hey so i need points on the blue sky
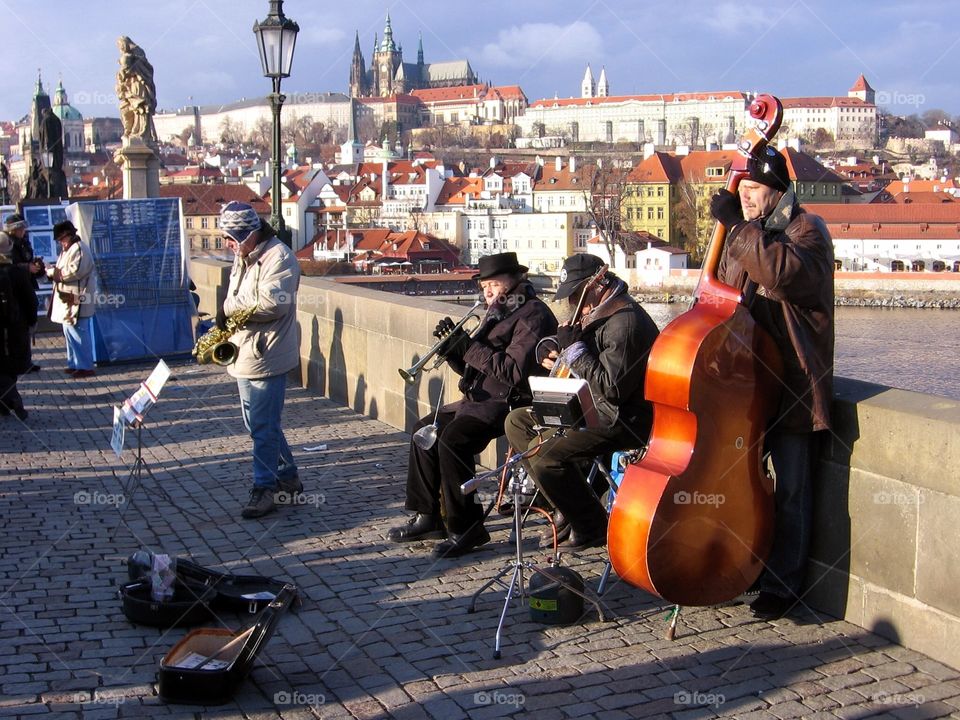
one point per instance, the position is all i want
(204, 52)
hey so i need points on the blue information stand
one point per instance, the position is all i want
(144, 307)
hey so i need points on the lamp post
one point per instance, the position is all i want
(276, 39)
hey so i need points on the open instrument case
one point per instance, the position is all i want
(198, 594)
(206, 666)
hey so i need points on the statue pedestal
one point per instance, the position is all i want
(141, 170)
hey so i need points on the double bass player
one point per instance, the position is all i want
(782, 257)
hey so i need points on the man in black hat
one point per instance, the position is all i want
(607, 345)
(72, 303)
(781, 258)
(494, 364)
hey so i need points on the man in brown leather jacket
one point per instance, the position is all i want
(781, 258)
(494, 364)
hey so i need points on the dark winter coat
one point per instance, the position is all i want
(502, 355)
(788, 258)
(618, 336)
(18, 311)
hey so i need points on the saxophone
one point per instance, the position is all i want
(215, 346)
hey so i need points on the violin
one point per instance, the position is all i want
(692, 521)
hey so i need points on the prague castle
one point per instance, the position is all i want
(389, 75)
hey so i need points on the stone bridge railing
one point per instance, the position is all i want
(887, 518)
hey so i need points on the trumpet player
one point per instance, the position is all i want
(494, 363)
(265, 276)
(606, 342)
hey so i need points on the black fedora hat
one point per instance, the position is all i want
(500, 264)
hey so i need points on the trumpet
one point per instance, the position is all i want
(410, 374)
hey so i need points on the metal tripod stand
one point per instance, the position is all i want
(519, 486)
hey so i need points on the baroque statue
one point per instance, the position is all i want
(136, 92)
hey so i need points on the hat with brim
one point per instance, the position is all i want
(500, 264)
(577, 269)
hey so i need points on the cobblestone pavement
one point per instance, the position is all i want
(383, 630)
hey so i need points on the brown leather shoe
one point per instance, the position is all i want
(84, 373)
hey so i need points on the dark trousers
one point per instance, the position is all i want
(434, 476)
(794, 457)
(9, 395)
(561, 466)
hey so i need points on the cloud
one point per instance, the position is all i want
(548, 43)
(737, 17)
(320, 35)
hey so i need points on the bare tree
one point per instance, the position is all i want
(230, 132)
(261, 135)
(604, 189)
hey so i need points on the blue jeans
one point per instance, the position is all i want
(794, 457)
(79, 344)
(261, 404)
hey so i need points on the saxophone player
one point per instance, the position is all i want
(606, 344)
(265, 276)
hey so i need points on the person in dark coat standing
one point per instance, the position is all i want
(18, 313)
(607, 345)
(494, 364)
(781, 258)
(15, 229)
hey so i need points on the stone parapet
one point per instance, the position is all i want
(887, 501)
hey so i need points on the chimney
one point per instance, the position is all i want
(384, 194)
(559, 163)
(573, 164)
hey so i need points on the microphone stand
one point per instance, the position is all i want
(516, 587)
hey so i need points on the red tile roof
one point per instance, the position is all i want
(660, 167)
(861, 85)
(888, 213)
(459, 92)
(455, 190)
(901, 186)
(209, 199)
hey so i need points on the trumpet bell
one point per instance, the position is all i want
(409, 376)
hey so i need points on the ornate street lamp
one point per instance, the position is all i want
(276, 39)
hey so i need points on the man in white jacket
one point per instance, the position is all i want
(265, 276)
(73, 301)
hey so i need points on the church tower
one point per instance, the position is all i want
(358, 71)
(587, 88)
(386, 60)
(603, 87)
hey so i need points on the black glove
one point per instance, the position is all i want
(221, 318)
(567, 335)
(454, 343)
(725, 207)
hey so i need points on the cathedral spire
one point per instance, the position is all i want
(603, 87)
(587, 88)
(387, 44)
(420, 49)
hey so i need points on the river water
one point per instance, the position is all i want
(900, 347)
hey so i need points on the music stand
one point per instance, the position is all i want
(516, 587)
(131, 413)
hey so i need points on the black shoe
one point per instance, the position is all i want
(768, 606)
(420, 527)
(21, 413)
(459, 545)
(563, 528)
(33, 368)
(4, 411)
(259, 504)
(595, 536)
(292, 486)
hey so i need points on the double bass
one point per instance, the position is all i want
(692, 521)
